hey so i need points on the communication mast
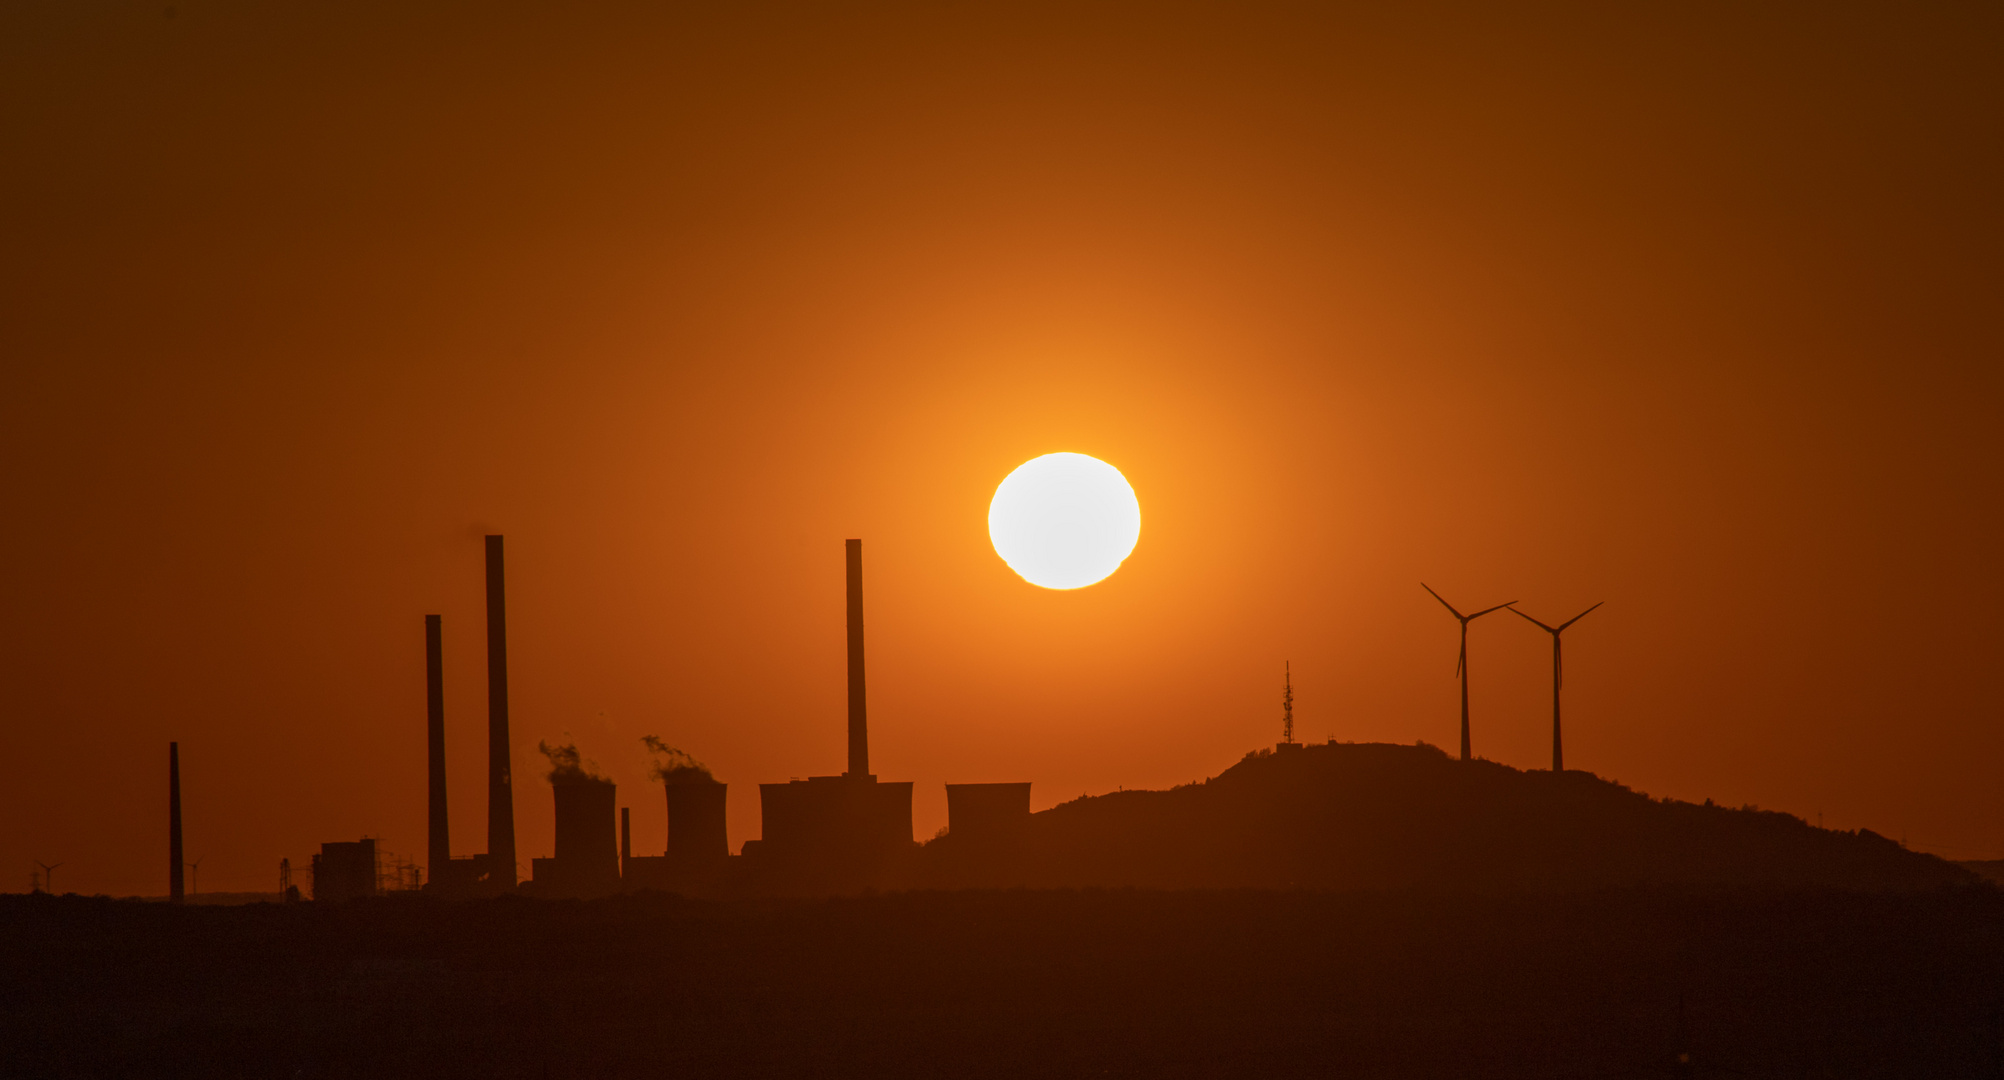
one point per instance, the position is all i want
(1287, 703)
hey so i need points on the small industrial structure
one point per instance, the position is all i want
(345, 871)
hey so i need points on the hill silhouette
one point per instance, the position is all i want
(1377, 815)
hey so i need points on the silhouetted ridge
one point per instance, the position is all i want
(1376, 815)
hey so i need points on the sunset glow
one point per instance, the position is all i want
(1064, 521)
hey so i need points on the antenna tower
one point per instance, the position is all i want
(1287, 703)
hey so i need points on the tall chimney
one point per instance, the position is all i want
(859, 716)
(500, 780)
(439, 852)
(174, 821)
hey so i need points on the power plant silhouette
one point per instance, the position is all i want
(839, 832)
(842, 831)
(1340, 815)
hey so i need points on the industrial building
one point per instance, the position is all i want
(345, 871)
(839, 830)
(844, 814)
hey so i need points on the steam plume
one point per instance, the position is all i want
(567, 766)
(674, 766)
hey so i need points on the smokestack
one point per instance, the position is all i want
(500, 780)
(174, 821)
(859, 717)
(439, 852)
(625, 838)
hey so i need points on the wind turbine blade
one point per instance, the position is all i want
(1461, 662)
(1542, 626)
(1486, 611)
(1443, 603)
(1578, 617)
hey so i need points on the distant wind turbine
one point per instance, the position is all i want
(1558, 679)
(48, 876)
(1461, 665)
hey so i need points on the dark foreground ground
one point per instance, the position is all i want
(1115, 983)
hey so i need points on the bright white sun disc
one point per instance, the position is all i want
(1064, 521)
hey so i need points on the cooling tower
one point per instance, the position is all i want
(696, 824)
(587, 858)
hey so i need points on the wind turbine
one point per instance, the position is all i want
(1558, 679)
(195, 875)
(48, 876)
(1461, 664)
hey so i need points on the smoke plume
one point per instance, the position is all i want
(672, 766)
(568, 767)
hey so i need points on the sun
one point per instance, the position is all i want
(1064, 521)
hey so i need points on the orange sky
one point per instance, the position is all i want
(1691, 311)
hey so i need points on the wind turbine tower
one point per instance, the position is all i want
(1558, 680)
(1461, 664)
